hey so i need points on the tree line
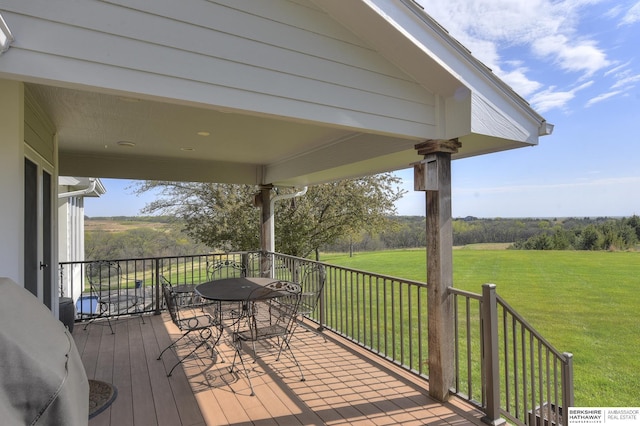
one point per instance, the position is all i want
(402, 232)
(600, 233)
(586, 234)
(141, 242)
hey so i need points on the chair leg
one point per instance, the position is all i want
(198, 346)
(171, 345)
(205, 335)
(285, 345)
(101, 314)
(244, 368)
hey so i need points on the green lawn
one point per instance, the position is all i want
(586, 303)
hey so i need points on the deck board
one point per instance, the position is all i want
(122, 377)
(345, 384)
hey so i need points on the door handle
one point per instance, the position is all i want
(43, 265)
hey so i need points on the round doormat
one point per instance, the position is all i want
(101, 395)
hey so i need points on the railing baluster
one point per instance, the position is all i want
(401, 321)
(469, 353)
(393, 319)
(514, 337)
(156, 280)
(505, 344)
(410, 326)
(456, 342)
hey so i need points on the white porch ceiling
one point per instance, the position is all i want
(114, 136)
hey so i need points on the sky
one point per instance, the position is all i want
(577, 62)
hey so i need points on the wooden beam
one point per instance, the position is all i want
(432, 146)
(433, 175)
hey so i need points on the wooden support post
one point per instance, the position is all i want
(433, 175)
(267, 237)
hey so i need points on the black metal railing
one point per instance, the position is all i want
(502, 364)
(387, 315)
(142, 275)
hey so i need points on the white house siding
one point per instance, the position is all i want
(71, 242)
(273, 57)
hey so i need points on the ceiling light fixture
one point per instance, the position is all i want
(126, 144)
(203, 133)
(186, 148)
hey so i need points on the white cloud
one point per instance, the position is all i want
(617, 68)
(583, 56)
(602, 97)
(625, 80)
(632, 16)
(549, 28)
(551, 98)
(518, 80)
(614, 12)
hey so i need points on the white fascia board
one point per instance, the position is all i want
(476, 75)
(420, 46)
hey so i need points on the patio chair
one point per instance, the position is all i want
(185, 293)
(312, 279)
(272, 311)
(225, 268)
(199, 329)
(113, 298)
(221, 269)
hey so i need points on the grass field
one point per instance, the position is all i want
(586, 303)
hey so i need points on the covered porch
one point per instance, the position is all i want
(344, 384)
(278, 95)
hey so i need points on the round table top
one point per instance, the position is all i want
(231, 289)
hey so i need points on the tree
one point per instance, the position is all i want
(223, 217)
(590, 238)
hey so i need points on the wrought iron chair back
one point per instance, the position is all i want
(185, 292)
(113, 298)
(205, 328)
(226, 268)
(164, 281)
(313, 278)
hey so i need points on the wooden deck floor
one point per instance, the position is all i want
(344, 385)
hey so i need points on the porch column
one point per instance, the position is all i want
(267, 228)
(433, 175)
